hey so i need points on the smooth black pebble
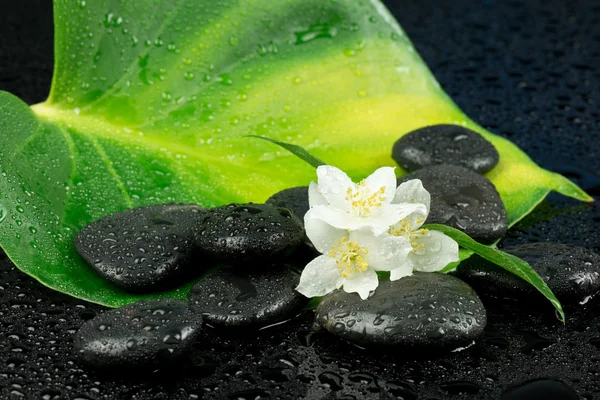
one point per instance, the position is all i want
(249, 233)
(572, 273)
(294, 199)
(144, 249)
(445, 144)
(237, 297)
(423, 310)
(464, 200)
(145, 334)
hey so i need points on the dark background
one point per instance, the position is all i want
(527, 70)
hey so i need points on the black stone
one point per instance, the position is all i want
(249, 233)
(140, 335)
(444, 144)
(464, 200)
(423, 310)
(144, 249)
(572, 273)
(294, 199)
(237, 297)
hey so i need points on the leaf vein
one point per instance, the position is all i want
(129, 70)
(111, 169)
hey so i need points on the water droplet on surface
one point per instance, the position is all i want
(131, 344)
(315, 31)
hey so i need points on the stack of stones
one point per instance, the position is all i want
(244, 252)
(442, 311)
(250, 255)
(450, 161)
(430, 310)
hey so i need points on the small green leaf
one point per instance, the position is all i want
(151, 103)
(313, 303)
(296, 150)
(504, 260)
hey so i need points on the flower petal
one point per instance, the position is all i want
(438, 250)
(334, 185)
(337, 218)
(384, 178)
(362, 283)
(315, 198)
(320, 277)
(322, 235)
(406, 269)
(414, 212)
(413, 192)
(384, 252)
(376, 223)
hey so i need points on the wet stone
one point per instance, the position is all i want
(294, 199)
(572, 273)
(140, 335)
(445, 144)
(249, 233)
(464, 200)
(237, 297)
(423, 310)
(144, 249)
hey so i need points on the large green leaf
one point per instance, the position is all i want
(151, 102)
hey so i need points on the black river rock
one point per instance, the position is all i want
(238, 297)
(445, 144)
(464, 200)
(144, 249)
(423, 310)
(143, 335)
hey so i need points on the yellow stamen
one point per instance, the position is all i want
(350, 257)
(403, 228)
(363, 200)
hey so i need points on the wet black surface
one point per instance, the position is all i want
(524, 69)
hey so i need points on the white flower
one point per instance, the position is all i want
(349, 259)
(431, 250)
(346, 205)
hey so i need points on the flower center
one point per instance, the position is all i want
(349, 257)
(403, 228)
(363, 200)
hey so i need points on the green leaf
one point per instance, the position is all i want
(296, 150)
(504, 260)
(313, 303)
(151, 102)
